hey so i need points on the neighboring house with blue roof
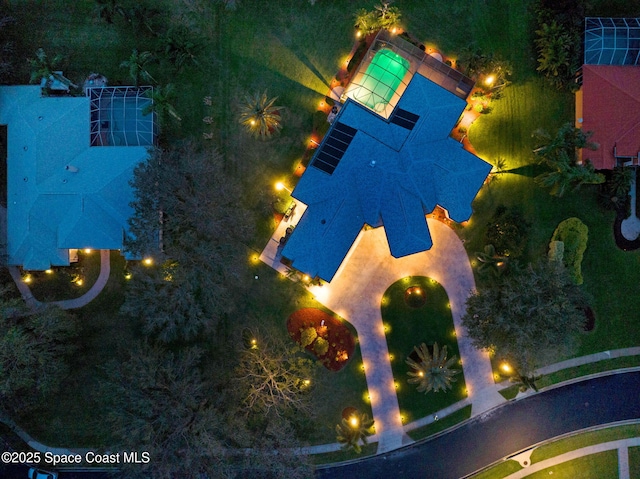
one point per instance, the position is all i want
(62, 192)
(387, 172)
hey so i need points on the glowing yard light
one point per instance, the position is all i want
(506, 368)
(281, 186)
(49, 271)
(87, 250)
(27, 278)
(489, 80)
(354, 422)
(148, 261)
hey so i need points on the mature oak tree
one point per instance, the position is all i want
(529, 317)
(159, 403)
(275, 377)
(34, 347)
(189, 217)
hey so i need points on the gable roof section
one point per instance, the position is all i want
(62, 193)
(611, 109)
(389, 175)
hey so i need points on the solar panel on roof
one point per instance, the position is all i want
(333, 147)
(404, 118)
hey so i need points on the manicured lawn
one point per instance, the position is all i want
(589, 466)
(275, 297)
(583, 440)
(634, 461)
(442, 424)
(603, 465)
(66, 282)
(74, 416)
(407, 327)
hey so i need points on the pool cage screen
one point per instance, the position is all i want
(120, 116)
(388, 68)
(612, 41)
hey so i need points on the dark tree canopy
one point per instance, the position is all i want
(189, 216)
(508, 232)
(529, 317)
(159, 400)
(34, 348)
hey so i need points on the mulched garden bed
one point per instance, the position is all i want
(330, 334)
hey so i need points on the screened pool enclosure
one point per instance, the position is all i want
(612, 41)
(121, 116)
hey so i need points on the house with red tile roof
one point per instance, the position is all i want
(608, 103)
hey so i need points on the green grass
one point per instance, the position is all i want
(603, 465)
(407, 327)
(583, 440)
(340, 456)
(442, 424)
(499, 471)
(592, 465)
(634, 461)
(75, 414)
(60, 285)
(276, 298)
(575, 372)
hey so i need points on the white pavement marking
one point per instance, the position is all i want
(569, 456)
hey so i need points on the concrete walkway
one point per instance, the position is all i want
(356, 292)
(86, 298)
(622, 447)
(630, 227)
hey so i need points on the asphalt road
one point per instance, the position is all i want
(505, 430)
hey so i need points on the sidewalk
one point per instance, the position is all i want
(622, 446)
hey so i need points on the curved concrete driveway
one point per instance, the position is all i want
(355, 293)
(86, 298)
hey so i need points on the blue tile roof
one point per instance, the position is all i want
(62, 193)
(390, 176)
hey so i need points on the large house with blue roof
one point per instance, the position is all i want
(384, 171)
(69, 164)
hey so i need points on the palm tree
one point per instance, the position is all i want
(432, 373)
(42, 67)
(620, 182)
(365, 21)
(161, 103)
(259, 115)
(136, 65)
(388, 17)
(559, 153)
(181, 46)
(354, 430)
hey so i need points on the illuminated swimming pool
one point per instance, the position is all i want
(381, 79)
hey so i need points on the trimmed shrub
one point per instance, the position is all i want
(574, 234)
(321, 346)
(508, 232)
(307, 336)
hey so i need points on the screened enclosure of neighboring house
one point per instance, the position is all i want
(612, 41)
(122, 116)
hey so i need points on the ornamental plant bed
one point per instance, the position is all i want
(323, 335)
